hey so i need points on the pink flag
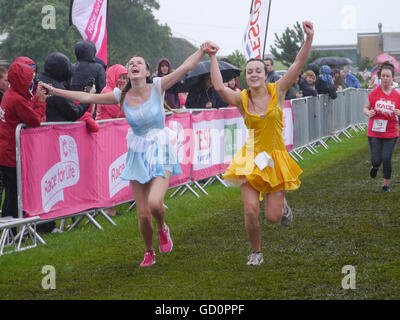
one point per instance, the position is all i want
(385, 57)
(90, 18)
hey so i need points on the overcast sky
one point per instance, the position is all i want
(224, 21)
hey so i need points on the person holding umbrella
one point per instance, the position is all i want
(203, 95)
(151, 159)
(198, 84)
(263, 165)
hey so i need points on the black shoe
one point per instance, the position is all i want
(373, 172)
(385, 189)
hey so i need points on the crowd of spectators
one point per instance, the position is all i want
(20, 102)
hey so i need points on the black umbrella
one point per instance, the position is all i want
(333, 61)
(194, 77)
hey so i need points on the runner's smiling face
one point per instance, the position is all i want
(137, 69)
(255, 74)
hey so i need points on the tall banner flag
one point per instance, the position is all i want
(255, 36)
(90, 18)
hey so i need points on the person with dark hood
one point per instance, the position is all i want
(101, 62)
(204, 95)
(325, 84)
(164, 68)
(58, 71)
(86, 68)
(20, 104)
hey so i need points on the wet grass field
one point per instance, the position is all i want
(341, 218)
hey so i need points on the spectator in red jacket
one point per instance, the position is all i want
(19, 105)
(117, 76)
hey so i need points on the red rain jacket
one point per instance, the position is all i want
(17, 107)
(111, 111)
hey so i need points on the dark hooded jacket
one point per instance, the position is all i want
(18, 106)
(86, 67)
(172, 99)
(199, 96)
(57, 72)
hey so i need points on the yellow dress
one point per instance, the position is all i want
(265, 134)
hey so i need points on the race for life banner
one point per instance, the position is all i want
(255, 33)
(181, 135)
(90, 18)
(218, 135)
(66, 169)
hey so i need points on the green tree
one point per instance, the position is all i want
(366, 63)
(133, 30)
(239, 60)
(288, 45)
(26, 35)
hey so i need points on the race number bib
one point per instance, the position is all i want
(379, 125)
(263, 160)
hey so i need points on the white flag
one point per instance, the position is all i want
(255, 34)
(90, 18)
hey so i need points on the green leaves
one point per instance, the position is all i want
(132, 29)
(288, 45)
(26, 35)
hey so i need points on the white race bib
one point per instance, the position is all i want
(379, 125)
(263, 160)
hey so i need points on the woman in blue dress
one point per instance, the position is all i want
(151, 159)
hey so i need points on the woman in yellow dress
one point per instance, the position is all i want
(263, 165)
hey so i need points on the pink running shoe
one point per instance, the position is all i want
(149, 259)
(166, 243)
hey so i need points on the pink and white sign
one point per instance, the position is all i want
(255, 33)
(90, 18)
(66, 169)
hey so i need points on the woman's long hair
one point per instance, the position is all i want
(128, 86)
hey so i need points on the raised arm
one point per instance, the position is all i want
(83, 97)
(294, 71)
(169, 80)
(231, 97)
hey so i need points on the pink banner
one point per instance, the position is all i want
(215, 135)
(181, 126)
(66, 170)
(76, 171)
(90, 18)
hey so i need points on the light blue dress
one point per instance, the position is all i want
(150, 151)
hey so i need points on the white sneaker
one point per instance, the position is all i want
(56, 230)
(287, 216)
(255, 259)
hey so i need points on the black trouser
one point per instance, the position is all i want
(10, 205)
(382, 150)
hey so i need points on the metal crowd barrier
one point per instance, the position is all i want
(320, 118)
(316, 120)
